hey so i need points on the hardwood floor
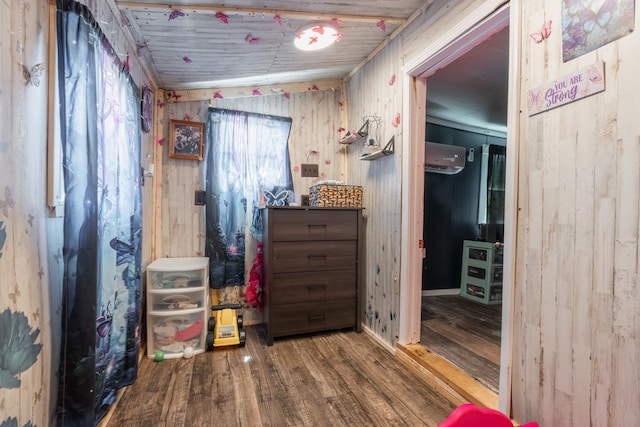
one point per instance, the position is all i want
(465, 333)
(335, 379)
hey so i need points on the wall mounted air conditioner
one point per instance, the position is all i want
(443, 158)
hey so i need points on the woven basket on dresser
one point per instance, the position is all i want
(335, 196)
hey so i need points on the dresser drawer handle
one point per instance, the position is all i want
(310, 257)
(317, 225)
(316, 288)
(316, 318)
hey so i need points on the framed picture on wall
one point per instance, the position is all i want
(588, 25)
(186, 140)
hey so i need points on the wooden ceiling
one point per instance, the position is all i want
(203, 44)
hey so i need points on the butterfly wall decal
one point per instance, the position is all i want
(535, 99)
(13, 296)
(221, 16)
(175, 13)
(32, 75)
(543, 34)
(251, 40)
(396, 121)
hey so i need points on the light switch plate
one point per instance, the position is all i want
(200, 199)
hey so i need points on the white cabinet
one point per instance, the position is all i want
(177, 305)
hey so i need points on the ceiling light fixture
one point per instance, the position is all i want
(316, 37)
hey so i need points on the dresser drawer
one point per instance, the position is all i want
(311, 317)
(314, 224)
(291, 257)
(288, 288)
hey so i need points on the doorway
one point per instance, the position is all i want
(462, 274)
(461, 298)
(472, 31)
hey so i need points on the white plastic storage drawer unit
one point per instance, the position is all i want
(177, 305)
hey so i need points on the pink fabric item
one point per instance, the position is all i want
(469, 415)
(253, 293)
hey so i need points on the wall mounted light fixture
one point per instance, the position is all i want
(316, 36)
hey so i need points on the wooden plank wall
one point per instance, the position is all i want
(181, 224)
(577, 316)
(576, 324)
(313, 139)
(576, 347)
(377, 91)
(24, 278)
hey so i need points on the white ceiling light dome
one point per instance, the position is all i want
(316, 36)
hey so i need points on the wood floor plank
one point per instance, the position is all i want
(328, 386)
(465, 333)
(395, 383)
(144, 405)
(482, 370)
(339, 379)
(474, 343)
(174, 409)
(363, 367)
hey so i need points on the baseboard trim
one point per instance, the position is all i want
(440, 292)
(435, 383)
(391, 349)
(252, 322)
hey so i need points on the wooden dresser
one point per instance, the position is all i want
(312, 270)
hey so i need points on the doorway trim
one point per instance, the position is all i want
(487, 19)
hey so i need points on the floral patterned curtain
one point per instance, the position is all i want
(100, 133)
(246, 152)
